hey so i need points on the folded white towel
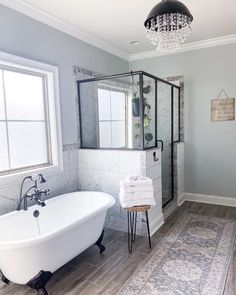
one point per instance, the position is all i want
(136, 199)
(136, 189)
(134, 183)
(136, 177)
(137, 195)
(128, 204)
(136, 180)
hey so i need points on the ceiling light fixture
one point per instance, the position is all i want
(168, 24)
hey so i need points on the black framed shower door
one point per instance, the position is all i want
(167, 123)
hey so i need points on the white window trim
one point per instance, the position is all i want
(51, 72)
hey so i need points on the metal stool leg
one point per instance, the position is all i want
(129, 233)
(134, 225)
(149, 238)
(132, 221)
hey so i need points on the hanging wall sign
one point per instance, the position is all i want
(223, 109)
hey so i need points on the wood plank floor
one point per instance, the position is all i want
(91, 273)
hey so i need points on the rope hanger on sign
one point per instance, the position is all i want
(222, 91)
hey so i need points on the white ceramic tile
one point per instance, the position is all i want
(180, 148)
(154, 172)
(157, 184)
(64, 182)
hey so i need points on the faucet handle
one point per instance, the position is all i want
(45, 192)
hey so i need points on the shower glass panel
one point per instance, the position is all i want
(164, 131)
(134, 111)
(176, 114)
(149, 118)
(110, 113)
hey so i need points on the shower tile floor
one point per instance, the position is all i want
(91, 273)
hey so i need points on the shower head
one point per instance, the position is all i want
(41, 178)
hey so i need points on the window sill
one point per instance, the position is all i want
(17, 177)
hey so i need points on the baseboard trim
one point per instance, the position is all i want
(155, 224)
(181, 199)
(209, 199)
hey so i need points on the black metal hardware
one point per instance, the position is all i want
(36, 195)
(141, 75)
(172, 145)
(155, 158)
(99, 243)
(132, 226)
(39, 282)
(110, 77)
(141, 106)
(5, 280)
(167, 7)
(148, 229)
(162, 144)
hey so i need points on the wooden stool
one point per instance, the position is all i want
(132, 222)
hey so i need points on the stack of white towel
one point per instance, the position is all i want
(136, 191)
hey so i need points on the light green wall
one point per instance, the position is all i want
(23, 36)
(210, 148)
(210, 155)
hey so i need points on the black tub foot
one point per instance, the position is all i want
(5, 280)
(99, 243)
(39, 282)
(42, 292)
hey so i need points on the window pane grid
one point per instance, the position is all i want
(112, 117)
(27, 140)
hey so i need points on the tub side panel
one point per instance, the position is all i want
(22, 264)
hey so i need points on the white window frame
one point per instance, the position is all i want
(50, 73)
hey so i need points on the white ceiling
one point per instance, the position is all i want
(117, 22)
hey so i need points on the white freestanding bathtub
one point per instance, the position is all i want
(66, 226)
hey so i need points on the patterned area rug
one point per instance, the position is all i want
(192, 259)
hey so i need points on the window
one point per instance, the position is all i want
(112, 118)
(29, 116)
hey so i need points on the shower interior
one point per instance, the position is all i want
(135, 111)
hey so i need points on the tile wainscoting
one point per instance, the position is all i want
(60, 183)
(103, 170)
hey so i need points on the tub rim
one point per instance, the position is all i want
(7, 245)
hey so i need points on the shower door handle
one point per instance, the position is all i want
(162, 144)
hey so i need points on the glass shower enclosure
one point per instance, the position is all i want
(136, 111)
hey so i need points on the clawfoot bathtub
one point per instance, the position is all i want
(36, 242)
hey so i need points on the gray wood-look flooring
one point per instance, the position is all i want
(91, 273)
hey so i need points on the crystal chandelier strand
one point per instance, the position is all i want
(168, 24)
(168, 31)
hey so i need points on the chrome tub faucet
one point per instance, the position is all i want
(36, 194)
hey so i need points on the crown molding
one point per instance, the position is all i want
(229, 39)
(35, 13)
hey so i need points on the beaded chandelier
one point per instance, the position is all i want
(168, 24)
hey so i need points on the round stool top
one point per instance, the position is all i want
(143, 208)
